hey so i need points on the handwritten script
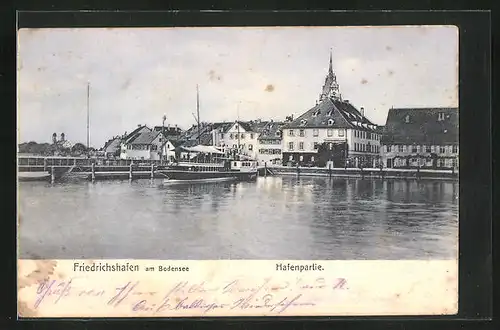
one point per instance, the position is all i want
(268, 296)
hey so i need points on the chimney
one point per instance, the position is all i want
(362, 111)
(62, 137)
(139, 125)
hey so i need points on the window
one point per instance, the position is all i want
(290, 157)
(312, 158)
(455, 150)
(250, 147)
(329, 132)
(301, 132)
(442, 149)
(414, 149)
(330, 122)
(407, 118)
(242, 136)
(441, 116)
(315, 145)
(404, 148)
(330, 146)
(315, 132)
(303, 122)
(290, 145)
(427, 149)
(231, 136)
(221, 135)
(387, 148)
(341, 132)
(290, 132)
(251, 135)
(301, 145)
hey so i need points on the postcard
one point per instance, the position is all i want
(238, 171)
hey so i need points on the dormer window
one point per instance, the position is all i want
(330, 113)
(407, 119)
(441, 116)
(316, 113)
(303, 122)
(330, 122)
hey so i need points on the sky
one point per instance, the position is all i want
(137, 75)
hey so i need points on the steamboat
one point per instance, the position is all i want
(210, 165)
(203, 163)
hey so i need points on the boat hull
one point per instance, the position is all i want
(194, 176)
(33, 176)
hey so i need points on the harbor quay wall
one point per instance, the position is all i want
(384, 173)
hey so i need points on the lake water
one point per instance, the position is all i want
(273, 218)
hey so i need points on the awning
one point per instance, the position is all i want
(203, 149)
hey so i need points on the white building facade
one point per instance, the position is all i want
(333, 132)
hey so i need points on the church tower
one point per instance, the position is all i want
(331, 87)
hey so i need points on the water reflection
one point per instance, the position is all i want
(274, 218)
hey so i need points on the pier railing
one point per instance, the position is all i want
(41, 161)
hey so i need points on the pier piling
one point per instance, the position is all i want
(93, 172)
(265, 169)
(130, 172)
(152, 171)
(45, 164)
(52, 174)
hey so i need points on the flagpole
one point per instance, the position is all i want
(88, 116)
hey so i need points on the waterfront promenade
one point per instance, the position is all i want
(94, 169)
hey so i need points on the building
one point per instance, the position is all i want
(143, 143)
(332, 133)
(270, 143)
(127, 137)
(422, 137)
(239, 135)
(112, 147)
(169, 131)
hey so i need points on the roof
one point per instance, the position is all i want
(112, 144)
(168, 130)
(145, 137)
(270, 130)
(247, 126)
(343, 114)
(136, 132)
(424, 126)
(258, 126)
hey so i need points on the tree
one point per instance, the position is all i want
(78, 148)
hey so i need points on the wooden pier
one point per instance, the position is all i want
(55, 168)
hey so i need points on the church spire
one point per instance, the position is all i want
(331, 87)
(330, 69)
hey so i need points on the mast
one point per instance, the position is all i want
(88, 115)
(198, 112)
(238, 122)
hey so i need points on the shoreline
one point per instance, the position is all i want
(375, 173)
